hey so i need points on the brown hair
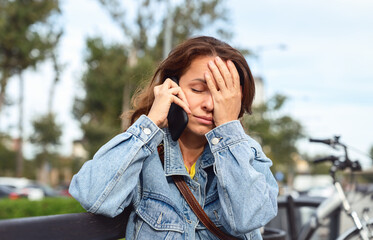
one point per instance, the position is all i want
(178, 62)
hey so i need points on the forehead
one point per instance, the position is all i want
(197, 68)
(200, 63)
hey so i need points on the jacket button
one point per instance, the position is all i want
(147, 131)
(215, 141)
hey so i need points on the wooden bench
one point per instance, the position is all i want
(73, 226)
(80, 226)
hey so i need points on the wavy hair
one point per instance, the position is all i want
(178, 62)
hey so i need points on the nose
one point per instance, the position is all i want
(208, 103)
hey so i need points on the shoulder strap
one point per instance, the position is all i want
(197, 209)
(194, 205)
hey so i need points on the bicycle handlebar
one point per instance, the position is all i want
(330, 158)
(356, 166)
(325, 141)
(347, 163)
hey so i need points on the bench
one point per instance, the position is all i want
(72, 226)
(81, 226)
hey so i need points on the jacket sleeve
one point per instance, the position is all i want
(106, 184)
(246, 187)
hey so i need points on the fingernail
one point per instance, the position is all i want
(211, 62)
(218, 58)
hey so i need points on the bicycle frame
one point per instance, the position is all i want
(326, 208)
(339, 199)
(354, 230)
(329, 206)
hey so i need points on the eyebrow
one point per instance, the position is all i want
(199, 80)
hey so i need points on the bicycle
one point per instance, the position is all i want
(363, 226)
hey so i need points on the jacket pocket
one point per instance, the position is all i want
(213, 211)
(160, 219)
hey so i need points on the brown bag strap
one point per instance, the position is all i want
(193, 203)
(197, 209)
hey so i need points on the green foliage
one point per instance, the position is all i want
(47, 132)
(104, 81)
(7, 159)
(114, 71)
(277, 133)
(46, 137)
(48, 206)
(7, 156)
(26, 37)
(194, 17)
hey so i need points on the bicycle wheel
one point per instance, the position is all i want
(354, 234)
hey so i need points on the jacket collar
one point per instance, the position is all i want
(173, 160)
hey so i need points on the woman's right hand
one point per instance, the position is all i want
(165, 94)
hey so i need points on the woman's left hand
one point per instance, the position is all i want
(226, 91)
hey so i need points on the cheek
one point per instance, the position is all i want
(191, 100)
(194, 100)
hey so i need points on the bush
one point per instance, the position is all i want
(48, 206)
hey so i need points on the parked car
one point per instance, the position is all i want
(5, 191)
(22, 187)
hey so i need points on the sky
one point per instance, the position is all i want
(318, 53)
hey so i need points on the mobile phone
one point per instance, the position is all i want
(177, 118)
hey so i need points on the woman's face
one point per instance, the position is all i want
(200, 101)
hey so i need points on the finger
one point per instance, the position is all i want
(156, 89)
(182, 104)
(183, 97)
(168, 83)
(177, 91)
(210, 83)
(224, 71)
(217, 75)
(233, 70)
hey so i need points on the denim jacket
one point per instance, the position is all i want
(233, 183)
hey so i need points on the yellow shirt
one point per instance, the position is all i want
(192, 170)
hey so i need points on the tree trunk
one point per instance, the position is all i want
(19, 160)
(52, 89)
(3, 84)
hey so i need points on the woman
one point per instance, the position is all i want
(225, 169)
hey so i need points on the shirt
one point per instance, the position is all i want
(192, 170)
(233, 183)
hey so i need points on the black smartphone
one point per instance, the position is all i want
(177, 118)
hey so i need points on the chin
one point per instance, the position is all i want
(200, 130)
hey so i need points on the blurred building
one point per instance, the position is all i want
(259, 91)
(78, 150)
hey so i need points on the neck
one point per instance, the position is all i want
(191, 148)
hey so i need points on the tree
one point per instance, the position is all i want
(27, 38)
(100, 108)
(47, 132)
(277, 133)
(116, 70)
(7, 156)
(46, 138)
(22, 45)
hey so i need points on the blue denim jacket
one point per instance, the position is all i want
(233, 183)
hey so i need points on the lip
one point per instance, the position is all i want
(205, 120)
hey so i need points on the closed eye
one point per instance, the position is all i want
(196, 90)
